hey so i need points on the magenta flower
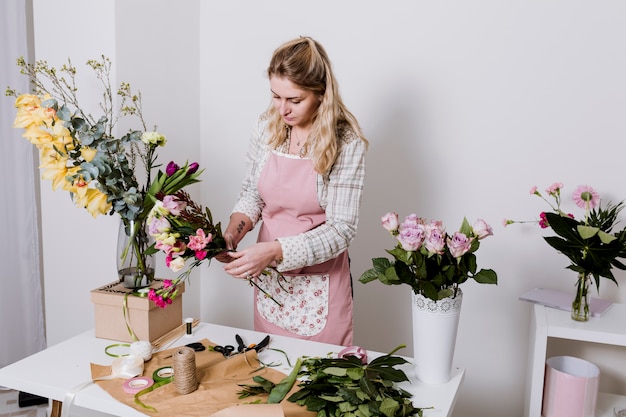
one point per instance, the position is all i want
(171, 168)
(586, 197)
(200, 254)
(543, 220)
(193, 167)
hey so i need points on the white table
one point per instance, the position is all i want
(54, 372)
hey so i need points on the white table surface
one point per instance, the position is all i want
(61, 368)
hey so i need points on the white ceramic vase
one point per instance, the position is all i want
(435, 325)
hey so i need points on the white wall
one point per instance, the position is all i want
(466, 105)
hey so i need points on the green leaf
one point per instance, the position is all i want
(355, 373)
(335, 371)
(605, 237)
(486, 276)
(586, 232)
(280, 391)
(389, 407)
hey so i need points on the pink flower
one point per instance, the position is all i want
(200, 254)
(533, 190)
(173, 204)
(390, 222)
(459, 244)
(555, 189)
(411, 221)
(586, 197)
(159, 225)
(543, 221)
(482, 229)
(411, 238)
(435, 240)
(199, 240)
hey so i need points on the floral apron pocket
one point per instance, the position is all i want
(303, 299)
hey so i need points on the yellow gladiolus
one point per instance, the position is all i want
(54, 166)
(88, 153)
(92, 199)
(30, 111)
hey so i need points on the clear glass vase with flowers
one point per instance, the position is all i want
(592, 244)
(104, 173)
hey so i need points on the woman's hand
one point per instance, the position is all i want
(252, 261)
(225, 257)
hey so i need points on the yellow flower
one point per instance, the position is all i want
(54, 166)
(30, 112)
(88, 153)
(92, 199)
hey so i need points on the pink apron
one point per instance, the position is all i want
(316, 300)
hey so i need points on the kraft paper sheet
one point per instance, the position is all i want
(219, 379)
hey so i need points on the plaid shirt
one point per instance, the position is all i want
(338, 191)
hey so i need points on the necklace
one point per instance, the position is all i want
(300, 144)
(296, 137)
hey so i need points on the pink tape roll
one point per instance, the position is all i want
(134, 385)
(357, 351)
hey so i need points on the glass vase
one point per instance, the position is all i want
(135, 268)
(580, 305)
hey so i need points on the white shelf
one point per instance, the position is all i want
(608, 402)
(549, 322)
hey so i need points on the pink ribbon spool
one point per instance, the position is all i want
(134, 385)
(357, 351)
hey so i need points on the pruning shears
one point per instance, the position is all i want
(241, 346)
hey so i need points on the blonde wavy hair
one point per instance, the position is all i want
(304, 62)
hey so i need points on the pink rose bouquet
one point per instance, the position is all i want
(428, 259)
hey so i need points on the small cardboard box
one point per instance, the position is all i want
(146, 319)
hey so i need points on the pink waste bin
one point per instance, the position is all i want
(570, 388)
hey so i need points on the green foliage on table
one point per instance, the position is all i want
(346, 387)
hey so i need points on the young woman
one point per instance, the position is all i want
(305, 180)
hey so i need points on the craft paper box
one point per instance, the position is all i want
(147, 321)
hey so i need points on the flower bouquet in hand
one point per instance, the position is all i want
(428, 259)
(184, 231)
(590, 243)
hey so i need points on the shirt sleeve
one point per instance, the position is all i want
(342, 199)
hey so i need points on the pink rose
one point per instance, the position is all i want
(459, 244)
(435, 238)
(482, 229)
(411, 238)
(390, 222)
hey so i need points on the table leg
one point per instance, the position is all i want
(56, 408)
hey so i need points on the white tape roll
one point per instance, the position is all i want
(141, 348)
(127, 367)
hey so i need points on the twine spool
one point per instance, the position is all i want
(141, 348)
(184, 365)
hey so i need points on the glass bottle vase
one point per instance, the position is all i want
(580, 305)
(134, 266)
